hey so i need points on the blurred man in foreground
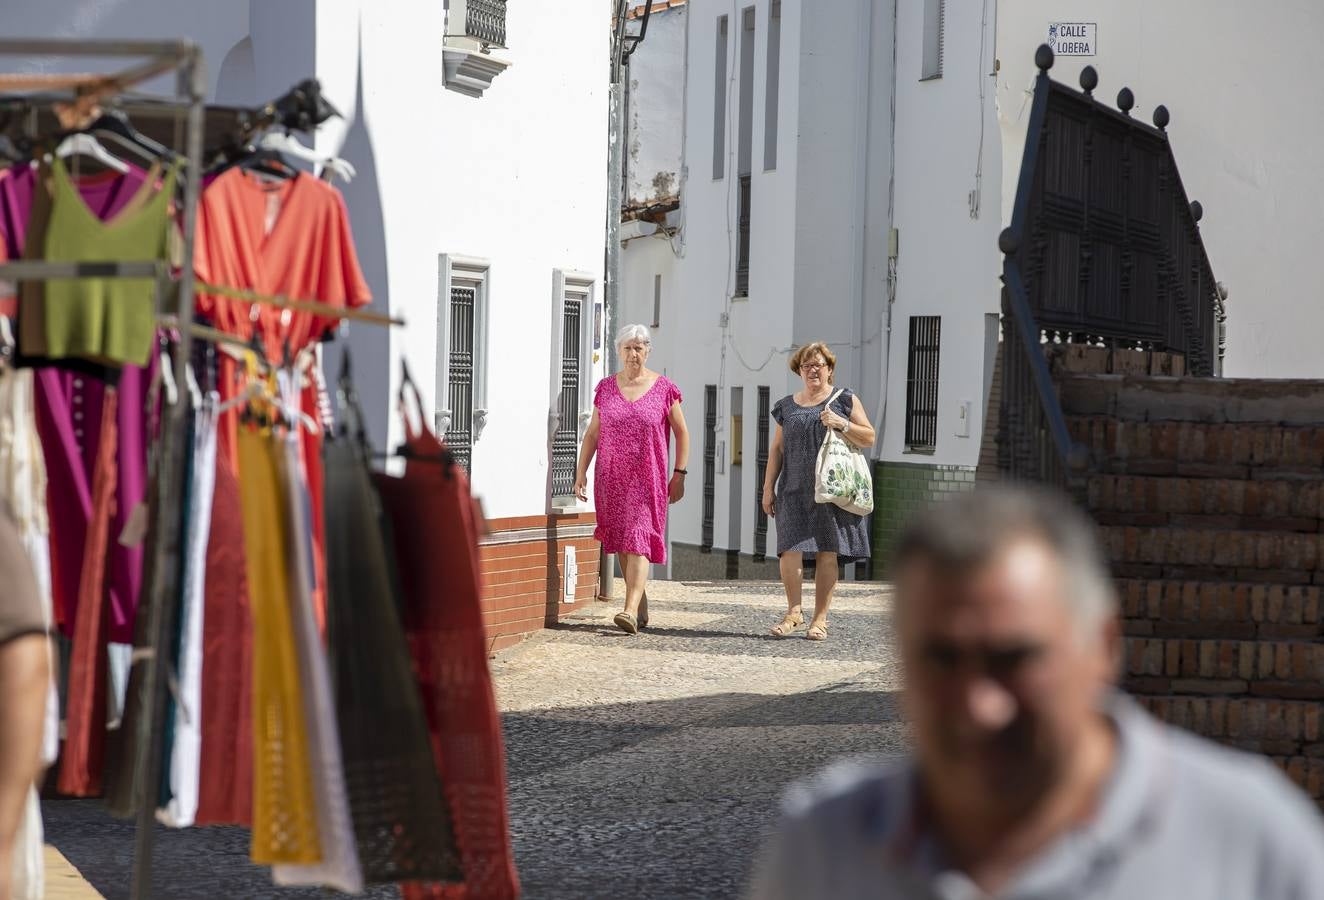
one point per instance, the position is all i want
(1032, 777)
(24, 681)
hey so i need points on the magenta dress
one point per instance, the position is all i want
(632, 471)
(69, 408)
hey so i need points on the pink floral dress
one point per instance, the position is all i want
(632, 471)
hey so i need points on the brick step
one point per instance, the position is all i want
(1202, 554)
(1067, 359)
(1220, 609)
(1289, 669)
(1201, 450)
(1282, 728)
(1148, 398)
(1224, 503)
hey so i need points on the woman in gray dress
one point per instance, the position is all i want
(829, 532)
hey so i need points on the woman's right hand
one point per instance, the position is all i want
(769, 503)
(581, 487)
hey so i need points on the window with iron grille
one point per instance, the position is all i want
(565, 441)
(922, 383)
(576, 327)
(760, 471)
(460, 397)
(461, 336)
(481, 20)
(709, 462)
(742, 239)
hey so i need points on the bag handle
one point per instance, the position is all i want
(347, 398)
(832, 399)
(407, 382)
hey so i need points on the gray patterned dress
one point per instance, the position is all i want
(802, 524)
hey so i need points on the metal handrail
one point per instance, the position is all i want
(1028, 332)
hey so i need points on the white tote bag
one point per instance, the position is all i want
(842, 475)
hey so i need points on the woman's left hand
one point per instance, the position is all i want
(676, 489)
(832, 420)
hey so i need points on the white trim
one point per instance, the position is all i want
(564, 282)
(452, 268)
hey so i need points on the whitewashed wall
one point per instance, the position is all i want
(948, 263)
(517, 176)
(657, 89)
(1242, 84)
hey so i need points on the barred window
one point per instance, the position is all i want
(461, 386)
(922, 383)
(573, 325)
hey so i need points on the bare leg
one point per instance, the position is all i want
(825, 582)
(792, 569)
(24, 674)
(635, 567)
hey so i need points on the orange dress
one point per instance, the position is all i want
(289, 238)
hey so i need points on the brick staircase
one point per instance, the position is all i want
(1210, 498)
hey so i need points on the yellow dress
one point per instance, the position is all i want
(284, 810)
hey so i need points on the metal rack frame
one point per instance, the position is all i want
(154, 58)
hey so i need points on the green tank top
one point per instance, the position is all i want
(111, 320)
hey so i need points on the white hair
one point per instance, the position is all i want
(631, 333)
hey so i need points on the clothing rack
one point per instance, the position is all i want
(303, 108)
(154, 58)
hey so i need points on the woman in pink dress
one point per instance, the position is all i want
(634, 412)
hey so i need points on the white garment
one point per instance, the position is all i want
(186, 753)
(28, 878)
(23, 493)
(340, 867)
(119, 665)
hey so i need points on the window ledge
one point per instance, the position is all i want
(470, 71)
(567, 506)
(919, 451)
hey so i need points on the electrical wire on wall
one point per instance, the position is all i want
(976, 196)
(886, 319)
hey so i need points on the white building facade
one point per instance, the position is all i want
(878, 146)
(478, 212)
(858, 141)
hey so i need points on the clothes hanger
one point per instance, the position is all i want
(83, 144)
(286, 143)
(114, 124)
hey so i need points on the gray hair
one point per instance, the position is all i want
(633, 332)
(966, 531)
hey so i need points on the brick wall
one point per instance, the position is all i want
(901, 490)
(523, 563)
(1240, 663)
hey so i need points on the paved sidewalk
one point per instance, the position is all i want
(640, 767)
(651, 766)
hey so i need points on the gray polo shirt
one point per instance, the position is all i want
(1182, 818)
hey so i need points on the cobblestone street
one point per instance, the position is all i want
(645, 766)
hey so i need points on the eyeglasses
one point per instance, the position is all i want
(812, 367)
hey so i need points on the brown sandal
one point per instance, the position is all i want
(788, 624)
(817, 632)
(626, 622)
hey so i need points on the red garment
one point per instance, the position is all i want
(434, 526)
(83, 757)
(226, 790)
(307, 253)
